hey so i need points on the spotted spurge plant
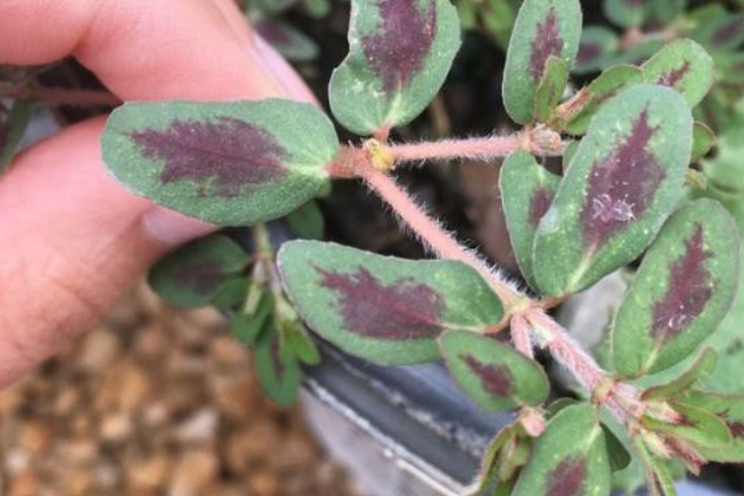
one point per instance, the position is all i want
(627, 140)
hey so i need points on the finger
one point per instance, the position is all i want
(73, 239)
(142, 49)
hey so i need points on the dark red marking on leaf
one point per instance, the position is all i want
(539, 205)
(547, 43)
(403, 310)
(201, 277)
(621, 186)
(588, 52)
(568, 478)
(674, 76)
(730, 29)
(231, 153)
(495, 379)
(689, 289)
(685, 421)
(401, 43)
(737, 429)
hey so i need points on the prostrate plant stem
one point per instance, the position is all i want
(529, 323)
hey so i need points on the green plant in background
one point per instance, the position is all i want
(627, 140)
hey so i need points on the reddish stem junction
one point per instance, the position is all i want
(530, 325)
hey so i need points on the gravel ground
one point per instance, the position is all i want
(155, 402)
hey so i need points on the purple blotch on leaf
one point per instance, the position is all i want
(495, 379)
(688, 290)
(737, 429)
(272, 32)
(228, 152)
(674, 76)
(399, 311)
(730, 29)
(547, 43)
(202, 277)
(277, 364)
(539, 205)
(568, 478)
(588, 52)
(402, 41)
(622, 185)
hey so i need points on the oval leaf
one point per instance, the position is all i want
(703, 141)
(387, 310)
(681, 292)
(227, 163)
(683, 65)
(527, 189)
(724, 32)
(569, 459)
(543, 28)
(698, 427)
(278, 370)
(698, 372)
(550, 90)
(292, 43)
(730, 409)
(627, 13)
(494, 375)
(400, 52)
(196, 273)
(620, 187)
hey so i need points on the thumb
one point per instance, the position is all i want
(72, 240)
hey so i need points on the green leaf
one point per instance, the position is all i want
(569, 459)
(668, 11)
(698, 427)
(400, 52)
(703, 366)
(597, 43)
(278, 370)
(620, 457)
(550, 89)
(703, 141)
(302, 345)
(274, 6)
(227, 163)
(248, 324)
(527, 189)
(726, 168)
(618, 190)
(318, 9)
(658, 477)
(307, 222)
(590, 99)
(387, 310)
(721, 32)
(683, 65)
(193, 275)
(231, 295)
(12, 128)
(543, 28)
(490, 461)
(292, 43)
(729, 67)
(627, 13)
(639, 54)
(730, 409)
(494, 375)
(681, 292)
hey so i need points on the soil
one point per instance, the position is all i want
(155, 402)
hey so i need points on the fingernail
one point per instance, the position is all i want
(285, 75)
(172, 228)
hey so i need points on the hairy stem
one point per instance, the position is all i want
(622, 400)
(433, 235)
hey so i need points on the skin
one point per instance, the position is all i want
(71, 238)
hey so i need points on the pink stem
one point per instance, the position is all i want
(621, 398)
(520, 334)
(482, 149)
(432, 234)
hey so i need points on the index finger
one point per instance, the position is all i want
(145, 50)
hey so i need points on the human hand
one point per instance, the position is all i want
(71, 239)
